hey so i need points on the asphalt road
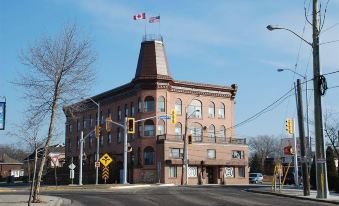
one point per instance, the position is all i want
(173, 196)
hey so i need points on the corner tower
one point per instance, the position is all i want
(152, 61)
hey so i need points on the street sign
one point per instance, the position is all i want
(106, 160)
(97, 164)
(71, 166)
(71, 174)
(105, 174)
(165, 117)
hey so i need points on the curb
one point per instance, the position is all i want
(292, 196)
(7, 190)
(130, 186)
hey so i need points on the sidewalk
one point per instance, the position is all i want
(21, 200)
(297, 193)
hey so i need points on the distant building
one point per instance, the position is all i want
(57, 151)
(10, 167)
(215, 156)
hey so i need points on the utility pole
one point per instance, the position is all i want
(303, 158)
(98, 142)
(296, 169)
(125, 152)
(185, 149)
(81, 154)
(321, 168)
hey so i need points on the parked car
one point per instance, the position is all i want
(256, 178)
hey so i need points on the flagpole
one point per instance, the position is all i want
(159, 25)
(145, 25)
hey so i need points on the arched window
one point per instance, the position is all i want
(178, 106)
(222, 111)
(149, 104)
(161, 127)
(211, 133)
(196, 131)
(195, 109)
(211, 110)
(178, 130)
(161, 104)
(139, 104)
(149, 128)
(222, 133)
(148, 156)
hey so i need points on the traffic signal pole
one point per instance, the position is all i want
(125, 127)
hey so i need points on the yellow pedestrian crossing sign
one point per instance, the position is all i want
(106, 160)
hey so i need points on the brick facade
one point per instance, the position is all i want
(155, 143)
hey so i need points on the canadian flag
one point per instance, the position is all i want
(139, 16)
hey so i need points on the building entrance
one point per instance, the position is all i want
(210, 175)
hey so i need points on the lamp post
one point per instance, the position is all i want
(185, 139)
(307, 120)
(321, 168)
(97, 153)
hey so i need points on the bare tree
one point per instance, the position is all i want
(265, 146)
(331, 128)
(59, 72)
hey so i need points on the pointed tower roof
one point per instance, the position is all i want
(152, 62)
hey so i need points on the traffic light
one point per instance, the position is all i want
(97, 131)
(130, 125)
(173, 116)
(289, 126)
(189, 139)
(108, 124)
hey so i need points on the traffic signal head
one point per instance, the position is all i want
(173, 116)
(108, 124)
(97, 131)
(189, 139)
(130, 125)
(289, 126)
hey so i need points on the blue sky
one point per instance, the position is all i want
(218, 42)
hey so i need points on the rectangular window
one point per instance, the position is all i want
(70, 128)
(118, 135)
(126, 110)
(109, 138)
(102, 118)
(237, 154)
(172, 171)
(119, 113)
(241, 171)
(78, 125)
(132, 109)
(176, 152)
(211, 154)
(192, 171)
(211, 112)
(90, 121)
(101, 140)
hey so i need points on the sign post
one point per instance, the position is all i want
(105, 161)
(71, 171)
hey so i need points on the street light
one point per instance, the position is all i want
(97, 153)
(307, 120)
(321, 170)
(185, 137)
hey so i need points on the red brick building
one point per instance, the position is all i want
(215, 156)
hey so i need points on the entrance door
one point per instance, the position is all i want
(210, 175)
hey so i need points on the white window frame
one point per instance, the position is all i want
(172, 172)
(192, 171)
